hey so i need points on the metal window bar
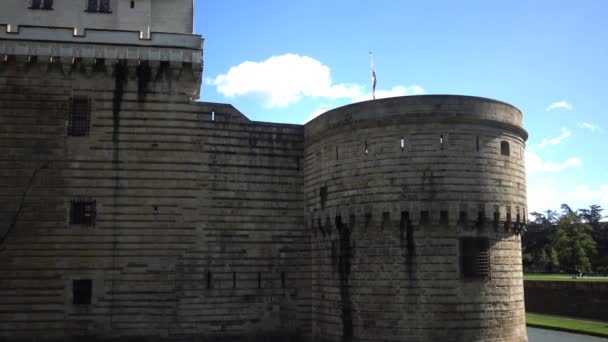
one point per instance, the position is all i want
(92, 6)
(83, 212)
(104, 6)
(475, 255)
(80, 117)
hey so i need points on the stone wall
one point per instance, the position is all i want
(391, 187)
(565, 298)
(175, 16)
(199, 221)
(209, 225)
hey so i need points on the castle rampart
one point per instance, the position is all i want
(398, 191)
(127, 210)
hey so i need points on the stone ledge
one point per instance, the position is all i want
(99, 36)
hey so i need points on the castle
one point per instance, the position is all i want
(130, 211)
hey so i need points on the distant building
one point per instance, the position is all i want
(129, 210)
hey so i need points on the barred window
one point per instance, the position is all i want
(83, 212)
(42, 4)
(104, 6)
(475, 258)
(101, 6)
(92, 6)
(82, 291)
(79, 118)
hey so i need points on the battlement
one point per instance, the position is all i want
(43, 48)
(465, 217)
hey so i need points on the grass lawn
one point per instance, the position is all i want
(562, 277)
(567, 324)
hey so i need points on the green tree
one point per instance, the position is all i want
(574, 242)
(592, 216)
(553, 264)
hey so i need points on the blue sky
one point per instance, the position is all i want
(286, 61)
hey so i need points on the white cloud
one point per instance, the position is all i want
(282, 80)
(555, 141)
(559, 105)
(584, 194)
(543, 195)
(535, 164)
(589, 126)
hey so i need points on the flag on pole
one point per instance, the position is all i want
(371, 54)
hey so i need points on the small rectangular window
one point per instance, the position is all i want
(132, 4)
(36, 4)
(47, 4)
(92, 6)
(82, 291)
(104, 6)
(79, 118)
(504, 148)
(475, 258)
(83, 212)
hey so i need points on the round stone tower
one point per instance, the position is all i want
(416, 205)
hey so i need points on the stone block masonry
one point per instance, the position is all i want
(130, 212)
(568, 298)
(198, 228)
(414, 205)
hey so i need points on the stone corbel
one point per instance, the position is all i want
(110, 63)
(88, 65)
(197, 73)
(176, 69)
(154, 69)
(21, 62)
(43, 63)
(132, 65)
(67, 64)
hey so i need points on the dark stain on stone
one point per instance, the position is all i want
(143, 78)
(120, 78)
(406, 237)
(344, 268)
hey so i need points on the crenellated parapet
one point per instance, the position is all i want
(459, 217)
(42, 48)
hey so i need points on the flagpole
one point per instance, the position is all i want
(371, 56)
